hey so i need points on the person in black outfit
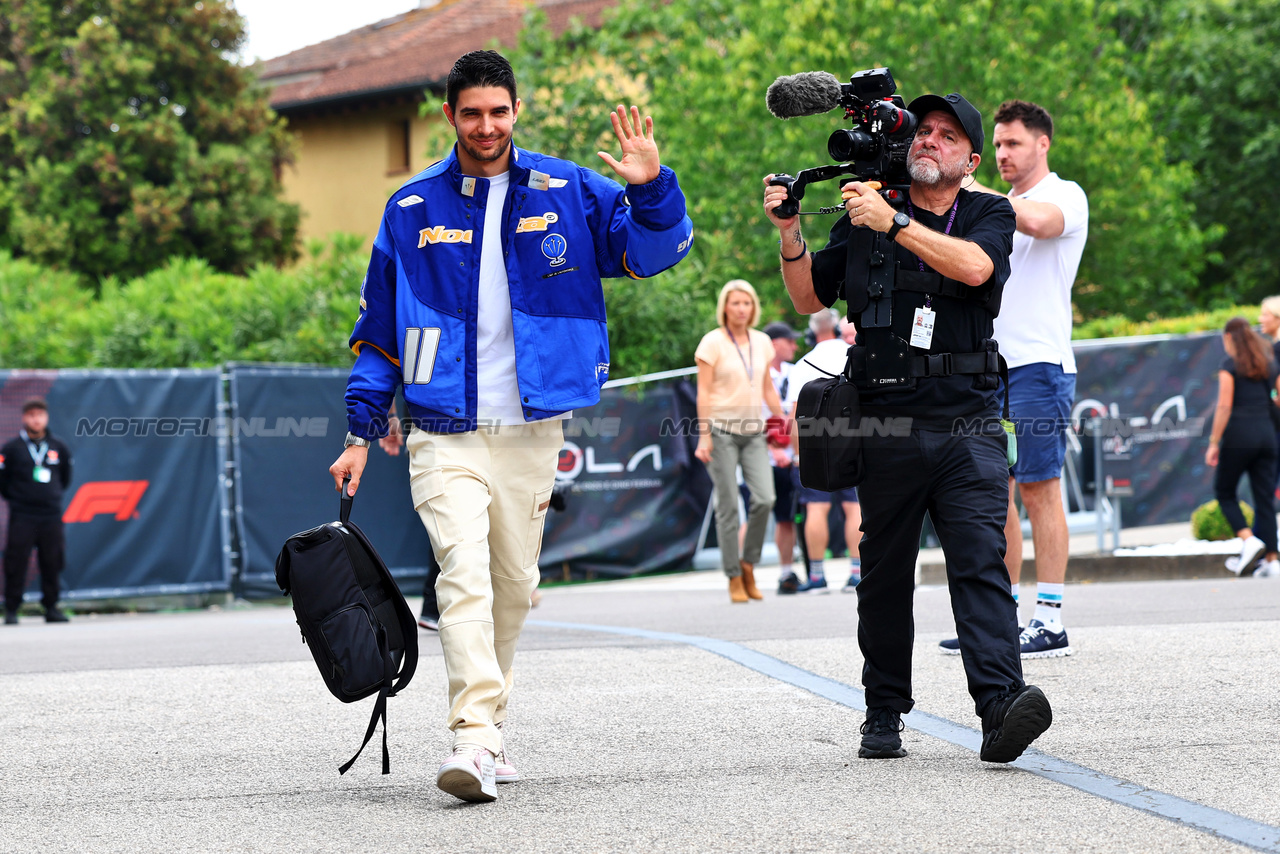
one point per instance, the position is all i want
(949, 252)
(35, 470)
(1243, 440)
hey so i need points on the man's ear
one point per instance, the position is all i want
(974, 160)
(448, 114)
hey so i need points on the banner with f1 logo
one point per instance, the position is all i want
(145, 514)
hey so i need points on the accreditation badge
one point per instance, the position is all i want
(42, 474)
(922, 328)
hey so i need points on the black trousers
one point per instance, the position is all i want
(963, 483)
(45, 535)
(1248, 445)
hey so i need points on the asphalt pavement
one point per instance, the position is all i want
(652, 715)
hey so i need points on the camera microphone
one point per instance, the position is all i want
(806, 94)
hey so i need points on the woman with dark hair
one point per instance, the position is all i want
(1244, 440)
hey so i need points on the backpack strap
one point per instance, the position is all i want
(379, 708)
(344, 507)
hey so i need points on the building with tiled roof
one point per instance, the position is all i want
(352, 101)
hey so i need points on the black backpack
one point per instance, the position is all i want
(353, 616)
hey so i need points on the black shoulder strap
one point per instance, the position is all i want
(404, 617)
(344, 506)
(379, 709)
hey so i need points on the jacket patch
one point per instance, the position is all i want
(440, 234)
(554, 246)
(557, 183)
(538, 180)
(410, 200)
(537, 223)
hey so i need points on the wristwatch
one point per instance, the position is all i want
(900, 221)
(353, 439)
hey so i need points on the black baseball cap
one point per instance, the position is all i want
(34, 403)
(967, 114)
(778, 329)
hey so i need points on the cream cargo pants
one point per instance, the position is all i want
(483, 497)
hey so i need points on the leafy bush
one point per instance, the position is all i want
(1208, 523)
(1118, 326)
(184, 314)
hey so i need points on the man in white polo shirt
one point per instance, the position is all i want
(1034, 331)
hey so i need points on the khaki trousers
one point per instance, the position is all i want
(483, 497)
(751, 451)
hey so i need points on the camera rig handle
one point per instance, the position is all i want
(894, 194)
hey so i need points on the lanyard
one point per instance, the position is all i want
(37, 453)
(749, 362)
(911, 212)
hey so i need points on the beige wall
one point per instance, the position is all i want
(348, 165)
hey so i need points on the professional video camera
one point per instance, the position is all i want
(874, 149)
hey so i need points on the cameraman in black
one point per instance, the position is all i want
(950, 250)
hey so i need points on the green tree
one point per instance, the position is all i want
(128, 136)
(701, 68)
(1214, 82)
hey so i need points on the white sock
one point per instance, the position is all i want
(1049, 605)
(855, 567)
(1013, 588)
(815, 571)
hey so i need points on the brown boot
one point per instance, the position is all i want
(737, 593)
(749, 580)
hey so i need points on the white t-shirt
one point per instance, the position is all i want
(828, 355)
(1034, 324)
(497, 391)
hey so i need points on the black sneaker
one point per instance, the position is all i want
(880, 735)
(10, 618)
(950, 646)
(788, 585)
(1012, 721)
(53, 615)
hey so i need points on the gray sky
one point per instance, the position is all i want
(276, 27)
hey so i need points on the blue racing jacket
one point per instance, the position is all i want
(565, 228)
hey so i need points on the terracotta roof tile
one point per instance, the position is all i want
(408, 51)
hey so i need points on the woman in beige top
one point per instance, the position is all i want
(733, 386)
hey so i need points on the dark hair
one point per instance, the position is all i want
(1253, 355)
(479, 68)
(1034, 116)
(34, 403)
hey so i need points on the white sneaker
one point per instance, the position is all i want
(469, 774)
(503, 770)
(1252, 550)
(1269, 569)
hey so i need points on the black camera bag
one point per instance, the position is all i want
(353, 617)
(829, 422)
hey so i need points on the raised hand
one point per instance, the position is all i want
(640, 163)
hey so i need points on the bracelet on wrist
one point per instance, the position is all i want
(804, 250)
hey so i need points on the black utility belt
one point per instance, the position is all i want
(913, 367)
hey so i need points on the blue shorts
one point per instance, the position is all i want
(1040, 399)
(784, 509)
(805, 495)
